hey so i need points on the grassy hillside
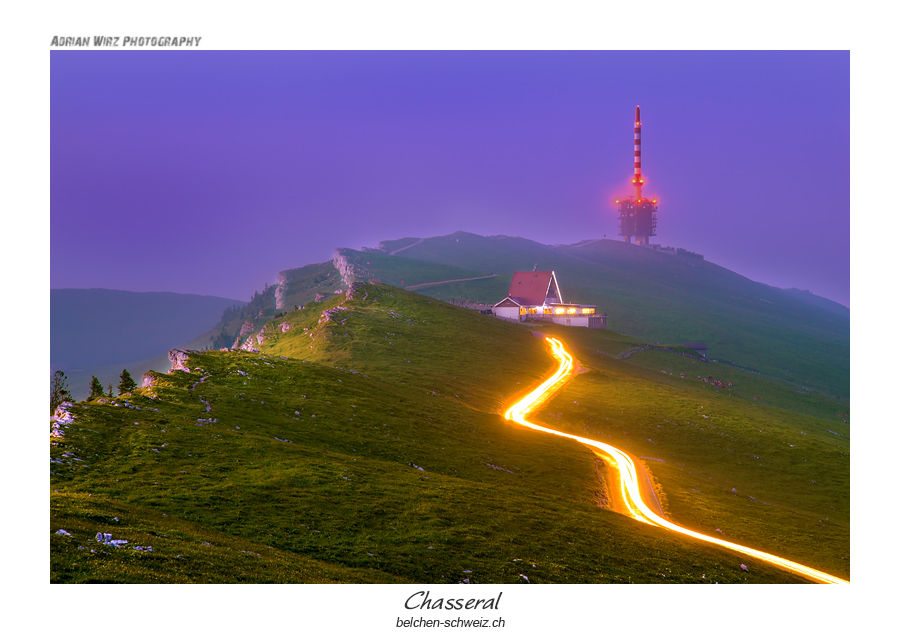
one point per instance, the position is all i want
(302, 284)
(659, 297)
(756, 459)
(364, 443)
(820, 302)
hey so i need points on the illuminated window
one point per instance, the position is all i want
(587, 311)
(521, 311)
(572, 311)
(547, 311)
(532, 310)
(560, 311)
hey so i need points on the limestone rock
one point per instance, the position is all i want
(246, 327)
(344, 267)
(179, 359)
(285, 327)
(280, 291)
(356, 289)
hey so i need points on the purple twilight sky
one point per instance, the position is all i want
(208, 172)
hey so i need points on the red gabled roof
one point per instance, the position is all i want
(530, 287)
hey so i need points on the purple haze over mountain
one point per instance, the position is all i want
(208, 172)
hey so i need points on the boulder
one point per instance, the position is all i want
(249, 346)
(356, 289)
(179, 359)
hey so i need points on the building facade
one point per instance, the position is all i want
(535, 296)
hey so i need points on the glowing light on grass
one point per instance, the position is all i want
(630, 491)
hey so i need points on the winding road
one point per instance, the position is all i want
(465, 279)
(629, 476)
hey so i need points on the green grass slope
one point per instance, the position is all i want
(398, 271)
(770, 472)
(364, 444)
(300, 285)
(673, 298)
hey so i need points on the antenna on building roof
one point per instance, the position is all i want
(535, 267)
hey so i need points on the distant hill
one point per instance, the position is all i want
(92, 329)
(819, 302)
(666, 297)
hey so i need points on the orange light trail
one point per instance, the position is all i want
(630, 492)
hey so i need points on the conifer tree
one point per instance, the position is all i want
(126, 383)
(96, 387)
(109, 391)
(59, 391)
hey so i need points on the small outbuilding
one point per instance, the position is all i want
(699, 348)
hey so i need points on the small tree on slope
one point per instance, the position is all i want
(59, 391)
(126, 383)
(96, 387)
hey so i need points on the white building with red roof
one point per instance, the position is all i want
(535, 295)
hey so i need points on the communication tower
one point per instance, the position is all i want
(637, 215)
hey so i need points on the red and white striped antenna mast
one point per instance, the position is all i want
(637, 216)
(638, 181)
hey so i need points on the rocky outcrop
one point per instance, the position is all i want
(344, 267)
(148, 380)
(320, 297)
(179, 359)
(280, 290)
(237, 343)
(249, 345)
(260, 337)
(329, 314)
(61, 417)
(246, 327)
(285, 327)
(357, 290)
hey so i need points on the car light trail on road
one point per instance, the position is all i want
(630, 492)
